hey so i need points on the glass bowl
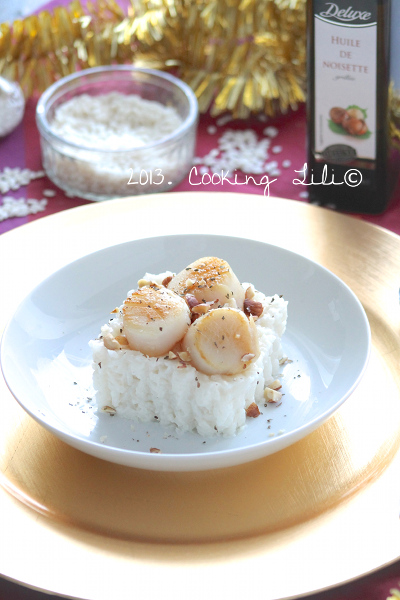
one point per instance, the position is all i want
(85, 160)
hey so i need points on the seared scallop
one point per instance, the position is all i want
(154, 320)
(209, 279)
(223, 341)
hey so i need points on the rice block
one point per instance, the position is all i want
(173, 392)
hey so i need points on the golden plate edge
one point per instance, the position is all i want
(77, 220)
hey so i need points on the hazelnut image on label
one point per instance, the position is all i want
(352, 120)
(337, 114)
(355, 126)
(355, 113)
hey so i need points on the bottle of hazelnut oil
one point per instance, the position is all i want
(353, 58)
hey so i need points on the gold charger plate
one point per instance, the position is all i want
(314, 515)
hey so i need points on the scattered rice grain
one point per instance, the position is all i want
(224, 120)
(271, 131)
(19, 207)
(14, 178)
(238, 150)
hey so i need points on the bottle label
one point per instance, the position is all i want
(345, 80)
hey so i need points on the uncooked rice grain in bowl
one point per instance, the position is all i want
(117, 131)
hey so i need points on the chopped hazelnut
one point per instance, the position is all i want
(272, 395)
(284, 360)
(143, 282)
(200, 309)
(249, 294)
(251, 307)
(109, 409)
(275, 385)
(247, 357)
(191, 300)
(110, 342)
(252, 410)
(166, 281)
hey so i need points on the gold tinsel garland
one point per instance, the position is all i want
(394, 121)
(240, 56)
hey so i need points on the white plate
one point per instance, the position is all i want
(46, 359)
